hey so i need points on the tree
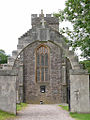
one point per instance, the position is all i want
(3, 57)
(77, 12)
(86, 64)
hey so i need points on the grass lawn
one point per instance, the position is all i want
(64, 107)
(77, 116)
(5, 115)
(21, 106)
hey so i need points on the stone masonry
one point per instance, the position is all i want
(62, 85)
(45, 33)
(8, 91)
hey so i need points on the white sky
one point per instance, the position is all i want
(15, 18)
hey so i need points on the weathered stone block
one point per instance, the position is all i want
(79, 91)
(8, 91)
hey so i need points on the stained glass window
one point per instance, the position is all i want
(42, 74)
(38, 60)
(46, 59)
(46, 74)
(38, 74)
(42, 64)
(42, 60)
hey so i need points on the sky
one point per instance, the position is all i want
(15, 18)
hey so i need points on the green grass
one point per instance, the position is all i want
(80, 116)
(5, 115)
(64, 107)
(77, 116)
(21, 106)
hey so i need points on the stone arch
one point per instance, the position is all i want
(64, 48)
(77, 76)
(69, 54)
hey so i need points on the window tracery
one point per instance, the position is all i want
(42, 64)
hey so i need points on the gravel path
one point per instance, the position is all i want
(43, 112)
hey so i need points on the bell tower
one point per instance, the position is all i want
(43, 19)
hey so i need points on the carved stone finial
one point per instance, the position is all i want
(42, 12)
(42, 19)
(42, 15)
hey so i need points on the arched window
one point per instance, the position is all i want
(42, 64)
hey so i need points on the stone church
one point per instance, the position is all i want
(44, 70)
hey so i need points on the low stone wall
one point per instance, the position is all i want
(79, 91)
(8, 91)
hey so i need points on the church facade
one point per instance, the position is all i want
(45, 68)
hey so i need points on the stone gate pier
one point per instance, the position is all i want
(47, 70)
(79, 91)
(8, 91)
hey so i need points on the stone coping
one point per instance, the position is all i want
(78, 72)
(8, 73)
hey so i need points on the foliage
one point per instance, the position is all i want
(77, 12)
(3, 57)
(5, 115)
(21, 106)
(86, 64)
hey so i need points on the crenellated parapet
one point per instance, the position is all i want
(48, 19)
(44, 28)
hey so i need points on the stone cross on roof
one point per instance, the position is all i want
(41, 12)
(42, 21)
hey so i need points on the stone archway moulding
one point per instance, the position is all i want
(79, 80)
(69, 54)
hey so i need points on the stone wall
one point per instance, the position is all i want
(8, 91)
(49, 19)
(79, 91)
(54, 90)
